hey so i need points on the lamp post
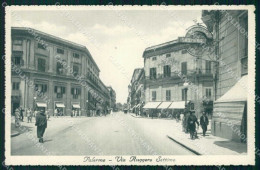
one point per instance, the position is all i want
(87, 107)
(34, 103)
(185, 84)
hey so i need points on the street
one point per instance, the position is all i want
(114, 134)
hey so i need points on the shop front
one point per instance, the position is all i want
(151, 109)
(230, 113)
(59, 108)
(76, 109)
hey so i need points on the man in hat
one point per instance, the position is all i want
(204, 121)
(41, 123)
(192, 119)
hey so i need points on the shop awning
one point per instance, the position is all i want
(151, 105)
(40, 104)
(164, 105)
(60, 105)
(77, 106)
(178, 105)
(237, 93)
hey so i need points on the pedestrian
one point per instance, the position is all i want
(72, 113)
(204, 121)
(17, 117)
(79, 113)
(192, 120)
(41, 123)
(56, 112)
(21, 113)
(29, 115)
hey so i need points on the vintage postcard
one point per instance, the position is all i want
(130, 85)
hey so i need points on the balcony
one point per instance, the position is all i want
(18, 48)
(43, 52)
(178, 77)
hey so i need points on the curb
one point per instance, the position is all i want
(15, 134)
(190, 149)
(135, 116)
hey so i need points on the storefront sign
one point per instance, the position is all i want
(191, 40)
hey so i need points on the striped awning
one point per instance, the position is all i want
(164, 105)
(77, 106)
(151, 105)
(41, 104)
(178, 105)
(61, 105)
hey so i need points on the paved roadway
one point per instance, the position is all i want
(115, 134)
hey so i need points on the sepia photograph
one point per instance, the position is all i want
(130, 85)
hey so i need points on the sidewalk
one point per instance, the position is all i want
(208, 145)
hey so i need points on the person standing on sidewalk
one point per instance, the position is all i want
(192, 120)
(17, 117)
(29, 115)
(21, 113)
(41, 123)
(204, 121)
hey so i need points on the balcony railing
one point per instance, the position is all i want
(180, 74)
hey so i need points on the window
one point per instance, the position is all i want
(59, 90)
(75, 70)
(59, 68)
(16, 85)
(208, 93)
(167, 71)
(243, 44)
(244, 66)
(41, 46)
(183, 51)
(17, 60)
(60, 51)
(184, 94)
(41, 64)
(153, 95)
(208, 67)
(152, 73)
(17, 42)
(184, 68)
(168, 55)
(154, 58)
(168, 95)
(75, 55)
(75, 92)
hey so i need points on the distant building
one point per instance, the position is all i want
(136, 91)
(53, 73)
(112, 100)
(230, 31)
(176, 78)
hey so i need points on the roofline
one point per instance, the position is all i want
(173, 42)
(67, 42)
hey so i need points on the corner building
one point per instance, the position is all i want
(39, 79)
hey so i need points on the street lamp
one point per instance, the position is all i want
(87, 107)
(185, 84)
(34, 102)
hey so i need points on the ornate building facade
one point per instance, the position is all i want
(230, 32)
(51, 72)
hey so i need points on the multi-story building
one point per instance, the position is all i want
(51, 72)
(137, 94)
(136, 90)
(174, 74)
(230, 31)
(112, 94)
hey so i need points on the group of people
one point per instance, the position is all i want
(41, 118)
(19, 115)
(75, 113)
(189, 122)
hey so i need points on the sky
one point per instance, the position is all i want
(116, 39)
